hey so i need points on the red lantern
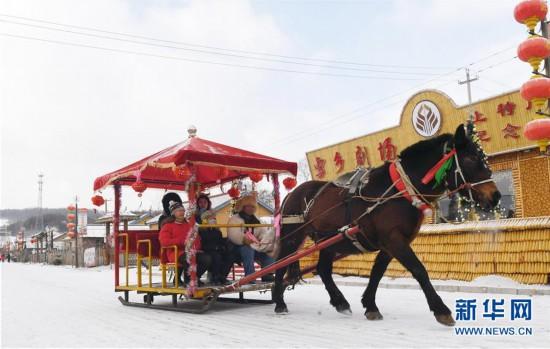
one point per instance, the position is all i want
(183, 173)
(534, 50)
(256, 176)
(233, 193)
(139, 187)
(71, 217)
(71, 207)
(70, 234)
(536, 90)
(530, 12)
(539, 131)
(70, 226)
(98, 200)
(289, 183)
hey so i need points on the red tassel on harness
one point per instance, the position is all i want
(431, 173)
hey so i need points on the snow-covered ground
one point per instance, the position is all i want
(47, 306)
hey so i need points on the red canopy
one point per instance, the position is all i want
(206, 159)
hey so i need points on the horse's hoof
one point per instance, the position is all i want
(343, 309)
(445, 319)
(373, 315)
(281, 309)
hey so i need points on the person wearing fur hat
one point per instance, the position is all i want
(212, 241)
(251, 243)
(176, 232)
(166, 217)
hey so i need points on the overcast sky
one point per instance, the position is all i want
(77, 112)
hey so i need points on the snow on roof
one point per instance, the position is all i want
(108, 217)
(153, 220)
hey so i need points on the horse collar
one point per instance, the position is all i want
(404, 186)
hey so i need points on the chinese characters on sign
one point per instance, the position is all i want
(320, 167)
(388, 151)
(339, 162)
(506, 109)
(478, 117)
(493, 308)
(361, 156)
(511, 131)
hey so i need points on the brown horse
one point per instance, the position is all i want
(393, 218)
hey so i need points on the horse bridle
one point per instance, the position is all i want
(465, 184)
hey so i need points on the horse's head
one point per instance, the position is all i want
(471, 170)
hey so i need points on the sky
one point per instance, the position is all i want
(275, 77)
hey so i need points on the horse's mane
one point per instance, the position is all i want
(419, 149)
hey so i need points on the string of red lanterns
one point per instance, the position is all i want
(533, 51)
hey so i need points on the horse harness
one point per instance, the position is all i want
(353, 182)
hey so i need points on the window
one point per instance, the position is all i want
(454, 209)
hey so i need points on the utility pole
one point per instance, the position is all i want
(544, 33)
(39, 223)
(467, 82)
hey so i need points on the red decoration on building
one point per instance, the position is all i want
(98, 200)
(530, 12)
(183, 173)
(536, 90)
(289, 183)
(483, 136)
(339, 162)
(478, 117)
(388, 151)
(255, 176)
(139, 187)
(506, 109)
(361, 156)
(223, 172)
(511, 131)
(320, 167)
(234, 193)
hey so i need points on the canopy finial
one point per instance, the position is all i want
(192, 131)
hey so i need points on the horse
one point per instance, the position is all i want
(389, 209)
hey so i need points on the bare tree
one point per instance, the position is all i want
(304, 174)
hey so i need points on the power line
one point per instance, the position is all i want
(220, 48)
(204, 61)
(216, 53)
(298, 135)
(357, 116)
(332, 120)
(496, 64)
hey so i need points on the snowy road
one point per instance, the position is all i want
(47, 306)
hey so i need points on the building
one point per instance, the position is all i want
(517, 247)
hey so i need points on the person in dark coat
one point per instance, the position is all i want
(212, 241)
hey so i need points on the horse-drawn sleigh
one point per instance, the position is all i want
(379, 209)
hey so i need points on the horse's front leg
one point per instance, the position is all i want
(324, 269)
(288, 246)
(399, 247)
(368, 300)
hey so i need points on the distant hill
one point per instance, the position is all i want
(53, 217)
(27, 218)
